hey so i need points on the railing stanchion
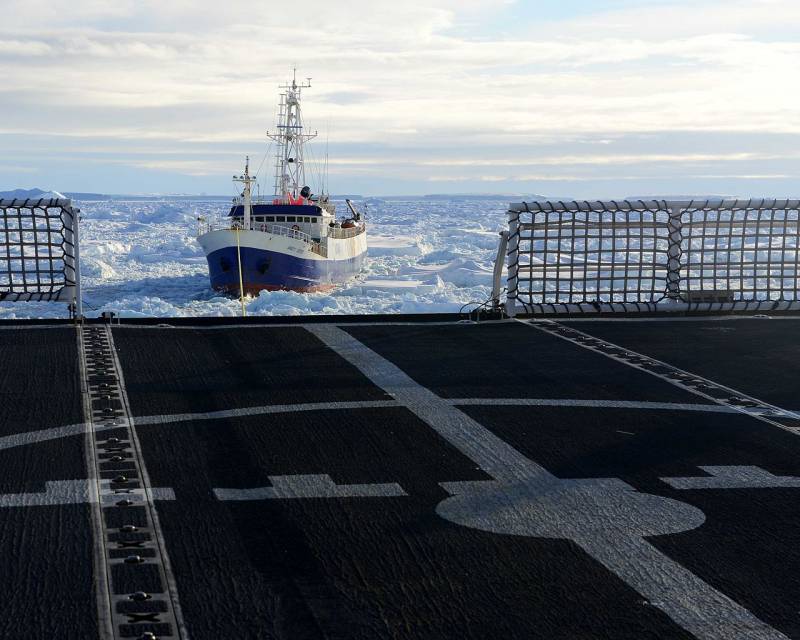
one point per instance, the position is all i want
(497, 277)
(513, 263)
(674, 252)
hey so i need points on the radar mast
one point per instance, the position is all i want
(289, 169)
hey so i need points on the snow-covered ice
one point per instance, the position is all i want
(140, 258)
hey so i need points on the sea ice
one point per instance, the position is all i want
(141, 259)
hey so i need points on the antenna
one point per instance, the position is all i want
(290, 138)
(247, 180)
(327, 141)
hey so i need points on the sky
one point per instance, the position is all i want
(565, 98)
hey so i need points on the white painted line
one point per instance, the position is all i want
(734, 477)
(492, 454)
(138, 495)
(162, 493)
(43, 435)
(310, 486)
(264, 410)
(687, 599)
(608, 518)
(55, 493)
(591, 404)
(60, 492)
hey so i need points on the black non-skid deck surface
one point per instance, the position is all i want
(45, 550)
(195, 370)
(395, 564)
(508, 360)
(758, 356)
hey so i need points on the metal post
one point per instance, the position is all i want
(78, 292)
(674, 227)
(69, 218)
(499, 262)
(513, 263)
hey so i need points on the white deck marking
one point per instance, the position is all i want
(55, 493)
(263, 410)
(605, 517)
(734, 477)
(310, 486)
(591, 404)
(44, 435)
(58, 492)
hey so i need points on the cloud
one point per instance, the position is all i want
(401, 82)
(15, 168)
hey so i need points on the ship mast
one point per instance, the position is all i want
(290, 138)
(247, 199)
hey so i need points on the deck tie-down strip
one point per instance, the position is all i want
(697, 385)
(605, 517)
(128, 539)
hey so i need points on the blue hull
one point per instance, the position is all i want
(270, 270)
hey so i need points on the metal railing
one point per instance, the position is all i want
(653, 255)
(279, 230)
(340, 233)
(39, 252)
(313, 245)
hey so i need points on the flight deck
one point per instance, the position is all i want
(605, 478)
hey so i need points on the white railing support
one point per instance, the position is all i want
(497, 276)
(512, 257)
(78, 291)
(674, 226)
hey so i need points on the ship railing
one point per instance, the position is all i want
(649, 256)
(239, 200)
(339, 233)
(279, 230)
(204, 225)
(275, 229)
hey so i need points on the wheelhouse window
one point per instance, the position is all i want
(280, 218)
(290, 219)
(306, 219)
(270, 218)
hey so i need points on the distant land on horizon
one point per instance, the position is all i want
(509, 197)
(38, 193)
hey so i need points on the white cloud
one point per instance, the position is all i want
(401, 75)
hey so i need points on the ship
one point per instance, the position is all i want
(292, 240)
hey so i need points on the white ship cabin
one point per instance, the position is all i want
(311, 219)
(307, 218)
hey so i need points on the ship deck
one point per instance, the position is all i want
(608, 478)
